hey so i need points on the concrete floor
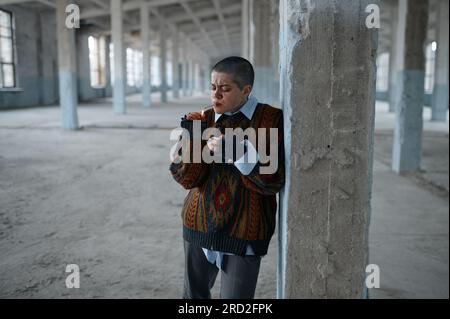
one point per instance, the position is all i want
(103, 198)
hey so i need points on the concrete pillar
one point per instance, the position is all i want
(191, 74)
(197, 77)
(119, 57)
(393, 97)
(146, 56)
(407, 149)
(266, 87)
(245, 27)
(68, 91)
(163, 55)
(108, 87)
(176, 64)
(184, 69)
(328, 75)
(440, 90)
(207, 78)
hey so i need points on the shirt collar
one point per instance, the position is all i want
(247, 109)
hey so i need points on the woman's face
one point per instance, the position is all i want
(226, 96)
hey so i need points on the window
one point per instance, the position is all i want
(430, 56)
(134, 67)
(97, 61)
(383, 72)
(7, 66)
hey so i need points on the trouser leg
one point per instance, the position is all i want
(199, 273)
(239, 277)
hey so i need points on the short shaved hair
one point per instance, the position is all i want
(240, 68)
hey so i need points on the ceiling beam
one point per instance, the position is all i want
(221, 19)
(196, 20)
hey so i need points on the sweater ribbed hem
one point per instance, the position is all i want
(224, 243)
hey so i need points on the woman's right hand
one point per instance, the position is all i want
(194, 116)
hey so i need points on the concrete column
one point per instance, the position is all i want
(191, 76)
(68, 91)
(393, 97)
(440, 90)
(108, 87)
(328, 75)
(146, 56)
(163, 55)
(175, 64)
(119, 57)
(196, 77)
(245, 26)
(407, 149)
(207, 78)
(266, 87)
(184, 69)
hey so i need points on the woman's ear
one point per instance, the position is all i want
(247, 90)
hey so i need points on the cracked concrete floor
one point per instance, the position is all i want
(103, 198)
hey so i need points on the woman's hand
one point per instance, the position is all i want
(194, 116)
(215, 144)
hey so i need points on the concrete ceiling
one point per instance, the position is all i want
(211, 26)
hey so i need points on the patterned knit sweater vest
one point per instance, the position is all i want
(225, 210)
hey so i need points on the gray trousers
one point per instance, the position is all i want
(238, 281)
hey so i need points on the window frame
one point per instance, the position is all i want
(13, 54)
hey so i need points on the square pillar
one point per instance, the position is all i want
(146, 56)
(328, 75)
(163, 65)
(412, 31)
(119, 57)
(263, 14)
(393, 52)
(67, 71)
(440, 90)
(176, 64)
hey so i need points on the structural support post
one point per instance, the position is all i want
(440, 90)
(245, 27)
(163, 55)
(328, 75)
(265, 62)
(393, 96)
(146, 56)
(407, 148)
(185, 69)
(176, 64)
(191, 74)
(108, 88)
(119, 61)
(68, 91)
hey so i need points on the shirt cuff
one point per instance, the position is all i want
(248, 161)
